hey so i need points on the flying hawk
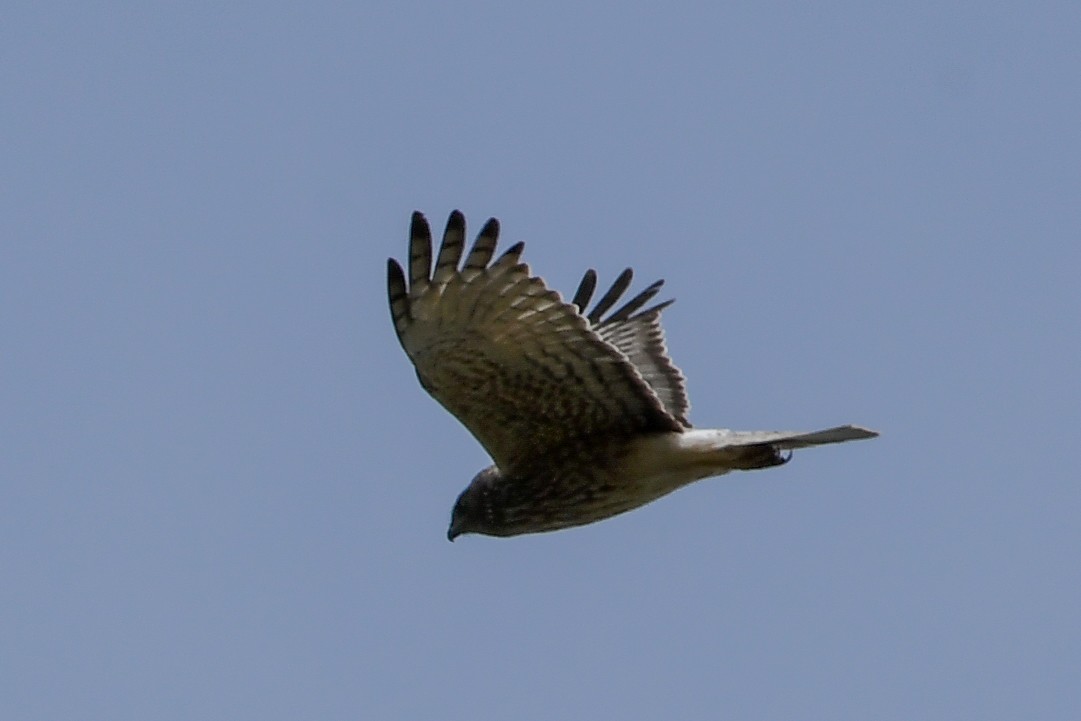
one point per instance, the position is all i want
(583, 413)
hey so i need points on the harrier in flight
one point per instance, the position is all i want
(582, 411)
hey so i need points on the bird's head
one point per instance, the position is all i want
(474, 511)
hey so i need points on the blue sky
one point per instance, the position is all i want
(224, 495)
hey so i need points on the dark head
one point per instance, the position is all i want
(474, 511)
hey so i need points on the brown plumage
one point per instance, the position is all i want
(583, 413)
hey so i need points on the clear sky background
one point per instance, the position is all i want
(223, 494)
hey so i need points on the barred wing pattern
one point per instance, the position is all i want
(524, 371)
(639, 337)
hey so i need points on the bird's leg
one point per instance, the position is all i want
(763, 455)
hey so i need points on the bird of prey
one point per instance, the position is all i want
(582, 411)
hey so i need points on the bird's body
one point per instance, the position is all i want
(616, 477)
(583, 413)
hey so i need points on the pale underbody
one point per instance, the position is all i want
(660, 463)
(643, 470)
(664, 462)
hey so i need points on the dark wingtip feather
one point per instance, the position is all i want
(512, 252)
(628, 309)
(491, 228)
(585, 290)
(609, 299)
(397, 295)
(395, 280)
(420, 252)
(484, 247)
(658, 308)
(450, 250)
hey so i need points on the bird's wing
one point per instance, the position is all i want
(520, 368)
(638, 336)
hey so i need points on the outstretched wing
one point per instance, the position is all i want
(520, 368)
(638, 336)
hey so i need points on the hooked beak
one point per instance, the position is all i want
(453, 532)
